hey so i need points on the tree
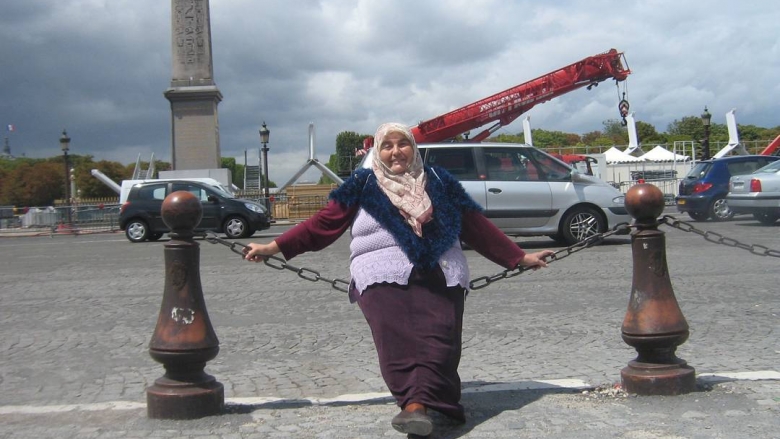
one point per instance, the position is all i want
(615, 130)
(546, 139)
(647, 133)
(508, 138)
(90, 186)
(590, 137)
(689, 127)
(38, 184)
(236, 171)
(44, 184)
(332, 164)
(751, 132)
(347, 143)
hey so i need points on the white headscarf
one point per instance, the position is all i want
(406, 191)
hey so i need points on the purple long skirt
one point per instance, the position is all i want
(417, 333)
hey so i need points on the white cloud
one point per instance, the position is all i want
(99, 67)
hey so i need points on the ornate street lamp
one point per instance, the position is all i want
(705, 120)
(265, 133)
(65, 145)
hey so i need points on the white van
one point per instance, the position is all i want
(527, 192)
(127, 184)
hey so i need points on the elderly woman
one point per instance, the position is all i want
(409, 273)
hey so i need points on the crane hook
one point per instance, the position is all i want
(623, 107)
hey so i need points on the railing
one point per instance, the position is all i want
(668, 186)
(752, 147)
(78, 218)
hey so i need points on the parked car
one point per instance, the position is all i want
(757, 193)
(702, 193)
(527, 192)
(141, 219)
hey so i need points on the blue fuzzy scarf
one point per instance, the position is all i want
(447, 196)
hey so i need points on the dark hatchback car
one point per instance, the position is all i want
(702, 193)
(140, 216)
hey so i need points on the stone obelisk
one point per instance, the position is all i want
(193, 94)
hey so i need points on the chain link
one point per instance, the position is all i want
(717, 238)
(304, 273)
(482, 282)
(475, 284)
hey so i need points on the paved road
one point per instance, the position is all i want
(296, 359)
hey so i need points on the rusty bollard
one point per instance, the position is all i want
(654, 324)
(183, 340)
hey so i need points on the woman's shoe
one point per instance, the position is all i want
(413, 422)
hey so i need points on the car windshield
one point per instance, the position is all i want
(771, 168)
(699, 170)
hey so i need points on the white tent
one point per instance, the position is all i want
(615, 155)
(661, 154)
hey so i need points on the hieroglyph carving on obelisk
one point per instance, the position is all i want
(193, 94)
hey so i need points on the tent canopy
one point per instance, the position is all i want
(615, 155)
(661, 154)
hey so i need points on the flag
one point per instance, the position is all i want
(11, 128)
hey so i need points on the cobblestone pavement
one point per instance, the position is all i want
(296, 359)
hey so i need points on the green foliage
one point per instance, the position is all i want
(689, 126)
(236, 171)
(332, 164)
(90, 186)
(615, 130)
(39, 182)
(508, 138)
(546, 139)
(347, 142)
(648, 135)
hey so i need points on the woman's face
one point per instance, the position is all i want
(396, 152)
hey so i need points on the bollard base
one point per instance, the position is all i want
(658, 379)
(169, 399)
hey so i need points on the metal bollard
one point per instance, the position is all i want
(183, 339)
(654, 324)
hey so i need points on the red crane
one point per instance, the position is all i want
(506, 106)
(772, 148)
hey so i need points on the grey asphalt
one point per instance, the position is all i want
(542, 351)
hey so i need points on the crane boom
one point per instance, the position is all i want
(508, 105)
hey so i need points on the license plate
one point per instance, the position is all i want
(680, 202)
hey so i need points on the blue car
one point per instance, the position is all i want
(702, 193)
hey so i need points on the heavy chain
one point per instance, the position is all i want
(717, 238)
(304, 273)
(475, 284)
(482, 282)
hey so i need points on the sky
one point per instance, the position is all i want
(99, 68)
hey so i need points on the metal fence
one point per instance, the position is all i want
(81, 218)
(669, 187)
(104, 217)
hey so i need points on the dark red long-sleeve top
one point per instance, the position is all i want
(327, 225)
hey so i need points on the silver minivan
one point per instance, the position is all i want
(527, 192)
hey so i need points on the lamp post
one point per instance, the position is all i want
(65, 145)
(705, 120)
(264, 134)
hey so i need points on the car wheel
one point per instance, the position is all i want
(137, 231)
(155, 236)
(699, 216)
(766, 218)
(580, 224)
(236, 227)
(720, 210)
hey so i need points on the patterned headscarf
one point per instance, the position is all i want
(406, 191)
